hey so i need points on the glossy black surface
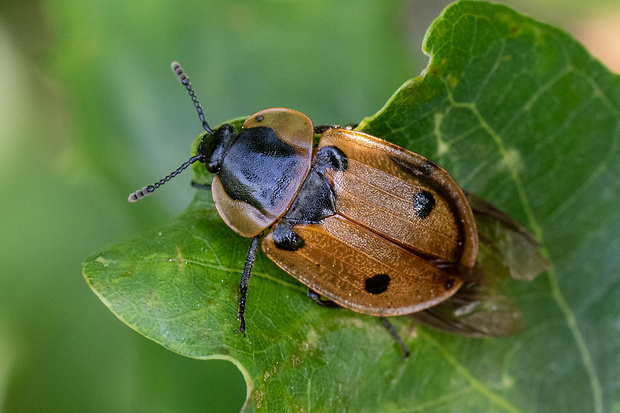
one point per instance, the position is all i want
(258, 168)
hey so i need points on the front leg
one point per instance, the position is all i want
(245, 280)
(196, 185)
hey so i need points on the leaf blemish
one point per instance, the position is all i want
(311, 336)
(452, 80)
(258, 398)
(512, 160)
(442, 146)
(104, 261)
(180, 261)
(296, 361)
(507, 382)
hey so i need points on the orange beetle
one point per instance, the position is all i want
(364, 223)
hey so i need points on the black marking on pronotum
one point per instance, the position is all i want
(423, 204)
(247, 176)
(377, 284)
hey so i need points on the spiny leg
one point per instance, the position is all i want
(319, 129)
(245, 280)
(394, 334)
(196, 185)
(316, 297)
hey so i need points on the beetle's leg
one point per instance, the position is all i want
(245, 279)
(394, 334)
(314, 296)
(201, 186)
(322, 128)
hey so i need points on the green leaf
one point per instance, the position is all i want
(520, 114)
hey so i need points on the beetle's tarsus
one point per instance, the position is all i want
(241, 328)
(316, 297)
(394, 334)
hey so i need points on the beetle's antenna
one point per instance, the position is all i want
(141, 193)
(180, 74)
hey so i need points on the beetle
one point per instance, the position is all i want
(363, 223)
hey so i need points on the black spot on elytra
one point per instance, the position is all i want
(433, 179)
(423, 204)
(259, 118)
(377, 284)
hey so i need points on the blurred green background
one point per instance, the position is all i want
(89, 111)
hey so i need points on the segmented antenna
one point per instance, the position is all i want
(147, 190)
(180, 74)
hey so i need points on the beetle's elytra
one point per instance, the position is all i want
(363, 223)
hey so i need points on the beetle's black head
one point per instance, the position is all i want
(214, 147)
